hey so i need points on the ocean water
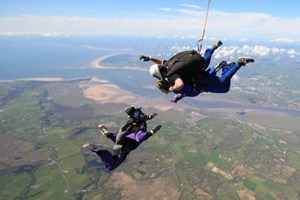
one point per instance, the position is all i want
(44, 57)
(68, 57)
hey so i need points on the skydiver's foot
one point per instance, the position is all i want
(103, 130)
(94, 148)
(218, 44)
(242, 61)
(220, 66)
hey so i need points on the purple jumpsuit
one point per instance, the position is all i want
(132, 141)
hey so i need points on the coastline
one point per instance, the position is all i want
(40, 79)
(96, 64)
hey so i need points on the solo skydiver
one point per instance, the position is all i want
(136, 134)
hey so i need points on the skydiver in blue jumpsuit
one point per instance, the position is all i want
(208, 80)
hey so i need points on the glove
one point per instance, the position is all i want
(151, 116)
(145, 58)
(157, 128)
(163, 85)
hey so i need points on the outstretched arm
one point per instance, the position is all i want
(142, 135)
(151, 116)
(157, 61)
(149, 58)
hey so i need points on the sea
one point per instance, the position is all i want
(25, 57)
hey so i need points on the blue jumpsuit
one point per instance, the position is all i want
(212, 83)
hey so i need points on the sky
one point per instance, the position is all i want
(272, 20)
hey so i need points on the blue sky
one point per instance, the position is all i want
(274, 20)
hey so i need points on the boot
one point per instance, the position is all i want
(217, 44)
(220, 66)
(242, 61)
(94, 148)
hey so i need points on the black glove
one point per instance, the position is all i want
(145, 58)
(156, 129)
(151, 116)
(163, 85)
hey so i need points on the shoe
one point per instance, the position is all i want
(103, 129)
(218, 44)
(94, 148)
(242, 61)
(220, 66)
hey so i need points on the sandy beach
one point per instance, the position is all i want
(97, 63)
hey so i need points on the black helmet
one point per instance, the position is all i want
(135, 113)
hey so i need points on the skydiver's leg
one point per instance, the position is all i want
(119, 160)
(110, 161)
(112, 137)
(121, 136)
(122, 132)
(207, 56)
(228, 72)
(209, 52)
(212, 71)
(107, 158)
(221, 84)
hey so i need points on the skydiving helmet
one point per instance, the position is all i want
(135, 113)
(155, 72)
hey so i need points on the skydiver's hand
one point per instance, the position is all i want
(151, 116)
(157, 128)
(145, 58)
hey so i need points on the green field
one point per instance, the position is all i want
(51, 122)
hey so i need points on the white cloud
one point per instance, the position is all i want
(190, 6)
(293, 52)
(166, 9)
(245, 26)
(189, 12)
(232, 52)
(285, 40)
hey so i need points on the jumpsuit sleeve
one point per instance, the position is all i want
(142, 135)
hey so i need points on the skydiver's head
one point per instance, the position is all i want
(136, 113)
(158, 71)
